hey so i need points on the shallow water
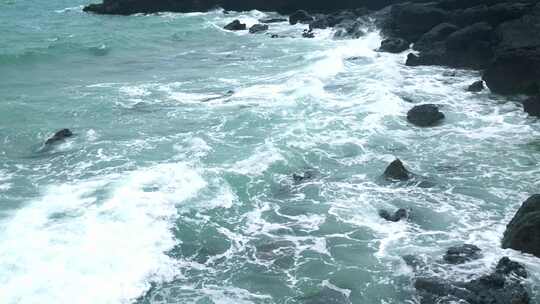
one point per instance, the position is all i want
(178, 188)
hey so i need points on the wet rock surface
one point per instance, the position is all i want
(397, 171)
(426, 115)
(462, 254)
(59, 137)
(236, 25)
(522, 232)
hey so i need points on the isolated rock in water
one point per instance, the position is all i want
(532, 106)
(308, 34)
(397, 171)
(503, 286)
(462, 254)
(299, 178)
(396, 217)
(522, 233)
(236, 25)
(300, 16)
(59, 136)
(258, 28)
(425, 115)
(272, 20)
(478, 86)
(394, 45)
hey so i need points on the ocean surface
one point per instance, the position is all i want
(177, 186)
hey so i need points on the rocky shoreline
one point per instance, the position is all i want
(497, 37)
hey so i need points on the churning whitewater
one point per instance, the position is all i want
(177, 186)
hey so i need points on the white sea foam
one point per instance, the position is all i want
(97, 241)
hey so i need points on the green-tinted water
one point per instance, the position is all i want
(178, 188)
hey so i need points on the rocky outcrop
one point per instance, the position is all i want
(300, 16)
(476, 87)
(426, 115)
(236, 25)
(522, 232)
(258, 28)
(59, 136)
(462, 254)
(128, 7)
(394, 45)
(502, 286)
(532, 106)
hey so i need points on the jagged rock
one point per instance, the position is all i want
(397, 216)
(397, 171)
(503, 286)
(516, 66)
(462, 254)
(477, 86)
(532, 106)
(236, 25)
(425, 115)
(308, 34)
(437, 34)
(522, 232)
(272, 20)
(300, 16)
(394, 45)
(258, 28)
(59, 136)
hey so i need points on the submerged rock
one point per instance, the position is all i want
(308, 34)
(532, 106)
(399, 215)
(300, 16)
(236, 25)
(397, 171)
(305, 176)
(477, 86)
(426, 115)
(394, 45)
(258, 28)
(462, 254)
(522, 232)
(59, 136)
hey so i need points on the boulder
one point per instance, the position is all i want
(522, 232)
(411, 20)
(59, 136)
(502, 286)
(477, 86)
(236, 25)
(426, 115)
(462, 254)
(300, 16)
(394, 45)
(397, 171)
(397, 216)
(532, 106)
(258, 28)
(437, 34)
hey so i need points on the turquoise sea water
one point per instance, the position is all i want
(177, 186)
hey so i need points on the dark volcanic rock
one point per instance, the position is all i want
(522, 232)
(349, 29)
(411, 20)
(320, 23)
(307, 33)
(477, 86)
(397, 216)
(272, 20)
(516, 66)
(532, 106)
(470, 46)
(258, 28)
(425, 115)
(437, 34)
(236, 25)
(59, 136)
(397, 171)
(394, 45)
(503, 286)
(305, 176)
(462, 254)
(300, 16)
(492, 14)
